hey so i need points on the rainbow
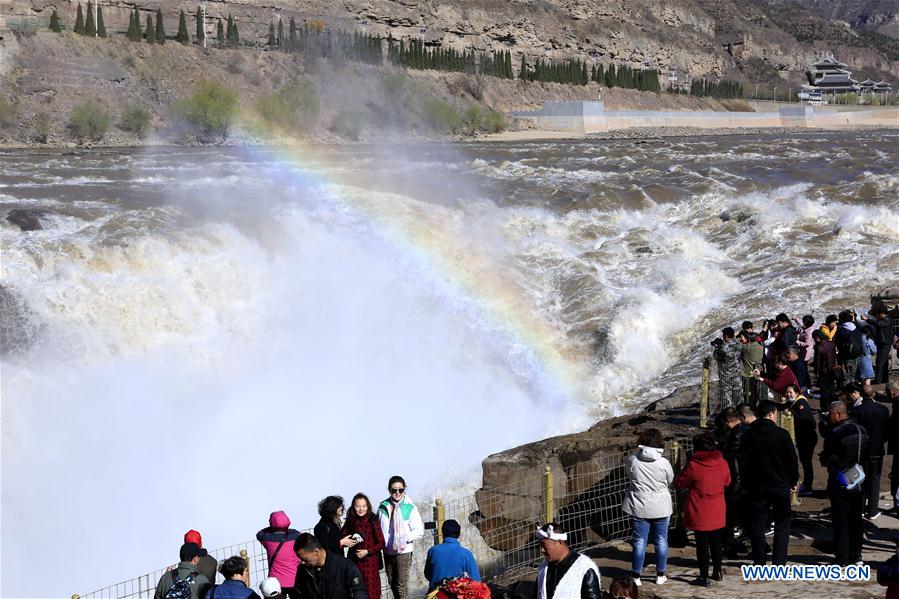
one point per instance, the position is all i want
(492, 293)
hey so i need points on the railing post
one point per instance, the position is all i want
(787, 420)
(439, 518)
(704, 394)
(246, 558)
(548, 499)
(675, 454)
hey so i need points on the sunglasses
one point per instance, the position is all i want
(400, 490)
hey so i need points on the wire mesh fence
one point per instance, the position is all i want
(729, 387)
(498, 524)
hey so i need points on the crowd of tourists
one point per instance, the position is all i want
(847, 348)
(737, 485)
(741, 478)
(341, 559)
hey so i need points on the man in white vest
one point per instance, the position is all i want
(564, 574)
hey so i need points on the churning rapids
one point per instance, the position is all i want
(197, 337)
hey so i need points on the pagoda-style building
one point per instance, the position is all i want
(831, 76)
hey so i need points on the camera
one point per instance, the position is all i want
(717, 342)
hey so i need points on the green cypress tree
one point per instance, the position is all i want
(54, 22)
(130, 34)
(292, 36)
(230, 31)
(201, 29)
(183, 35)
(101, 27)
(136, 33)
(79, 21)
(280, 34)
(220, 33)
(90, 28)
(160, 27)
(150, 33)
(236, 41)
(271, 35)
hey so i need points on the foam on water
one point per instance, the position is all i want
(267, 341)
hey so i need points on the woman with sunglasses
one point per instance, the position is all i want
(402, 525)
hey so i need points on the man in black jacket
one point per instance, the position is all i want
(892, 389)
(875, 419)
(788, 335)
(845, 444)
(324, 575)
(769, 472)
(882, 326)
(736, 501)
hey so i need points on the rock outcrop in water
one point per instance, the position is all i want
(26, 219)
(577, 476)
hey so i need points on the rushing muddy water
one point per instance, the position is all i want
(196, 337)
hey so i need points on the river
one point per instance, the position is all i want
(197, 337)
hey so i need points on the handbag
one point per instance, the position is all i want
(854, 475)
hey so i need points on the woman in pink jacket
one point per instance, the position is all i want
(278, 540)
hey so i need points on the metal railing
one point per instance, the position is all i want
(498, 523)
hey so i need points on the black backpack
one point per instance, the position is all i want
(856, 343)
(180, 589)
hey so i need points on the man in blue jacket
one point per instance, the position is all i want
(450, 559)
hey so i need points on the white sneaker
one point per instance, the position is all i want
(637, 582)
(661, 579)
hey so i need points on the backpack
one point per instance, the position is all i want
(856, 343)
(180, 588)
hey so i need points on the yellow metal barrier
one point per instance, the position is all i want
(548, 499)
(246, 560)
(788, 424)
(439, 518)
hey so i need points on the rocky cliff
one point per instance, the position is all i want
(754, 40)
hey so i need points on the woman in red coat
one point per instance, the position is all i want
(364, 522)
(705, 478)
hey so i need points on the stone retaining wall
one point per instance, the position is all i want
(591, 117)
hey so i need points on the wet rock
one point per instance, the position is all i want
(724, 216)
(26, 219)
(583, 465)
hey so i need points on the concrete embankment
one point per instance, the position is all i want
(583, 118)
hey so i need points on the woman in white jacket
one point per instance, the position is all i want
(648, 501)
(402, 526)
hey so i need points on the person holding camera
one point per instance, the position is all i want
(327, 531)
(783, 376)
(845, 450)
(362, 526)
